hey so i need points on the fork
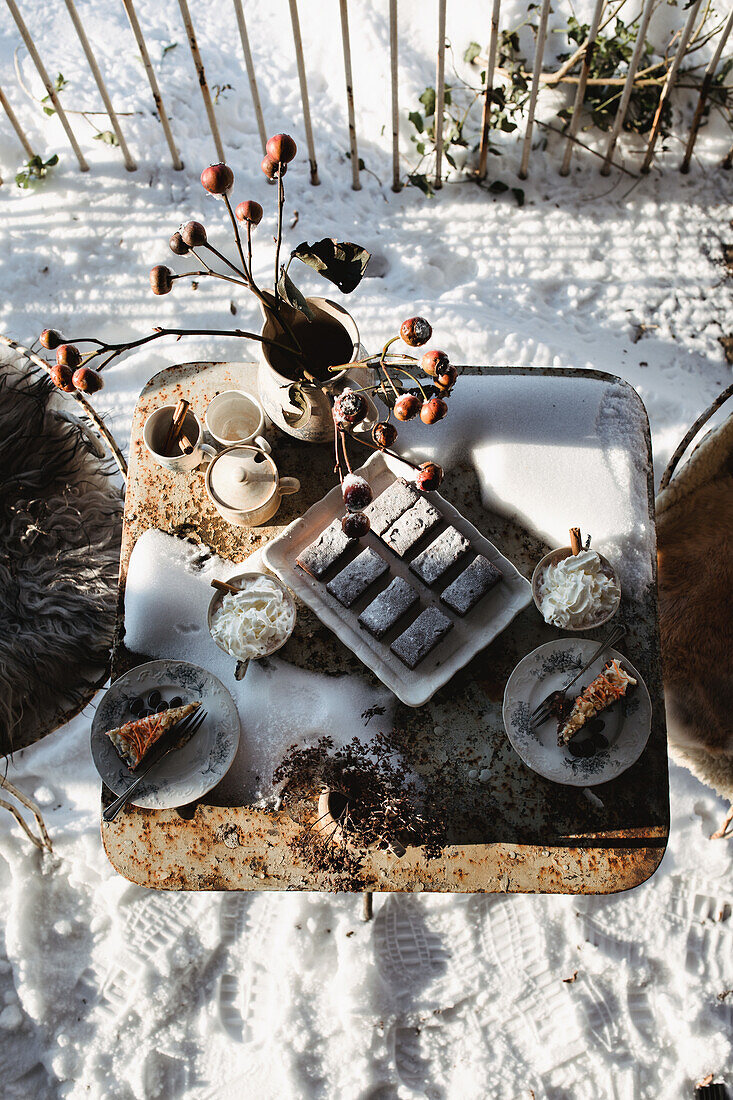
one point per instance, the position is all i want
(543, 710)
(188, 726)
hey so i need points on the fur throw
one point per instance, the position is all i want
(60, 528)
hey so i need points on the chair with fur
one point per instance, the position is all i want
(695, 538)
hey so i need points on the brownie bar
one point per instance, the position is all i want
(389, 606)
(470, 585)
(443, 552)
(330, 545)
(354, 580)
(421, 637)
(390, 505)
(411, 526)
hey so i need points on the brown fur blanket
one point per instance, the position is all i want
(60, 526)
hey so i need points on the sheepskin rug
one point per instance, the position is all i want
(60, 528)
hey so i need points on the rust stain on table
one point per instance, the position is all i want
(515, 831)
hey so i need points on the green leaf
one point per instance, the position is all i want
(167, 49)
(421, 148)
(416, 119)
(289, 291)
(421, 181)
(498, 187)
(49, 110)
(342, 262)
(107, 137)
(52, 161)
(518, 195)
(472, 52)
(428, 101)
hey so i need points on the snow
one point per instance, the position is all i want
(111, 991)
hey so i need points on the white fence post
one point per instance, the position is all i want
(582, 83)
(152, 80)
(201, 74)
(35, 57)
(439, 96)
(536, 73)
(705, 87)
(394, 72)
(628, 86)
(98, 79)
(489, 94)
(251, 73)
(16, 125)
(669, 83)
(304, 91)
(355, 182)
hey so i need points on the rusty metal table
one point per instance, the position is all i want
(518, 832)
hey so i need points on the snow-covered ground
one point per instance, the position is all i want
(110, 991)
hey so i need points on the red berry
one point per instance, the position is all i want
(407, 407)
(349, 408)
(177, 245)
(281, 148)
(50, 339)
(429, 476)
(193, 234)
(270, 167)
(416, 331)
(61, 376)
(446, 377)
(249, 211)
(161, 279)
(434, 361)
(218, 179)
(87, 380)
(356, 492)
(355, 525)
(68, 355)
(384, 433)
(433, 410)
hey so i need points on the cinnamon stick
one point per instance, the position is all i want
(185, 444)
(179, 415)
(575, 543)
(223, 586)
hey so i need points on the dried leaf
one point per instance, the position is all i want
(342, 262)
(290, 293)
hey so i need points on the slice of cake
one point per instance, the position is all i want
(135, 739)
(388, 607)
(608, 686)
(471, 585)
(358, 575)
(406, 531)
(422, 636)
(390, 504)
(330, 545)
(442, 553)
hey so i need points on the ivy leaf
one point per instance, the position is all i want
(518, 195)
(417, 121)
(342, 262)
(107, 137)
(472, 52)
(428, 101)
(498, 187)
(289, 291)
(421, 181)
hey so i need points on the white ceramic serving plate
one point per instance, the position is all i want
(187, 773)
(470, 633)
(627, 723)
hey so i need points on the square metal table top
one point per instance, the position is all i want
(515, 832)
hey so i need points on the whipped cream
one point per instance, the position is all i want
(576, 592)
(254, 621)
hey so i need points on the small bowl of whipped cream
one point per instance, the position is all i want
(575, 591)
(256, 620)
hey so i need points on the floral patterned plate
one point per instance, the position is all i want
(187, 773)
(626, 724)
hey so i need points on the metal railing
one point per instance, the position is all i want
(582, 59)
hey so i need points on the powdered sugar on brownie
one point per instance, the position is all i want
(471, 585)
(390, 505)
(443, 552)
(406, 531)
(388, 607)
(330, 545)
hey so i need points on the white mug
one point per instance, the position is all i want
(234, 416)
(156, 431)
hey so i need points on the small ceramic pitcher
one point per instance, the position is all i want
(155, 433)
(245, 487)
